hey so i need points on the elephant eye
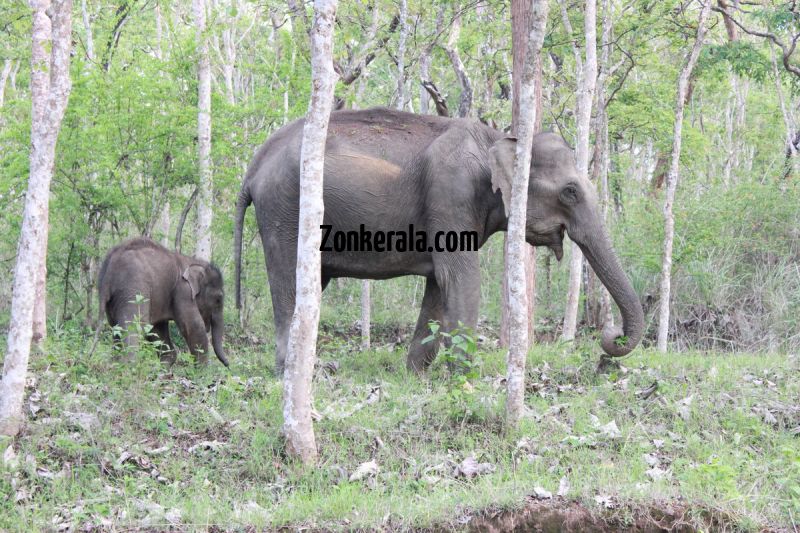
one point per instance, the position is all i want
(569, 194)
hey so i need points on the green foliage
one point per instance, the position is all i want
(742, 57)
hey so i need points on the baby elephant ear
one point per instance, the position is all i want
(501, 161)
(194, 276)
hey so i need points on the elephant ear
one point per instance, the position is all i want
(501, 162)
(194, 276)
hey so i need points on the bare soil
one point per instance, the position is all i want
(565, 516)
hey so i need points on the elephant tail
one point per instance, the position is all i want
(241, 207)
(103, 289)
(103, 296)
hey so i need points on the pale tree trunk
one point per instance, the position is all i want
(7, 66)
(164, 222)
(297, 381)
(488, 49)
(465, 101)
(89, 264)
(286, 88)
(366, 305)
(401, 55)
(788, 120)
(587, 79)
(40, 302)
(13, 77)
(50, 87)
(159, 33)
(602, 155)
(362, 65)
(672, 179)
(204, 198)
(227, 52)
(735, 110)
(521, 23)
(515, 264)
(425, 75)
(425, 63)
(87, 29)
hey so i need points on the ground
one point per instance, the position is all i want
(682, 440)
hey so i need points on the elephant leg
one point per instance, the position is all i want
(166, 349)
(132, 317)
(280, 253)
(283, 309)
(193, 330)
(420, 355)
(458, 276)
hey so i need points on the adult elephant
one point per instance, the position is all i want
(387, 169)
(141, 280)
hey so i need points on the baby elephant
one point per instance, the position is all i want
(142, 279)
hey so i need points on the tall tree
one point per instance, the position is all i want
(515, 263)
(302, 345)
(672, 177)
(601, 306)
(8, 64)
(206, 186)
(451, 47)
(50, 87)
(587, 80)
(521, 12)
(401, 55)
(366, 307)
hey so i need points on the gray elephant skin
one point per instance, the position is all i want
(387, 169)
(141, 280)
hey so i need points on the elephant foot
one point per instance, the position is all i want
(419, 360)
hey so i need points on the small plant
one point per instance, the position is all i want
(141, 330)
(460, 352)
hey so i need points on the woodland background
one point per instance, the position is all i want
(126, 160)
(697, 436)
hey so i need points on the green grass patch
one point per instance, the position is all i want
(115, 445)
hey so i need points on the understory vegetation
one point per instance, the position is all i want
(108, 445)
(703, 437)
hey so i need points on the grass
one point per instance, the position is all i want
(111, 446)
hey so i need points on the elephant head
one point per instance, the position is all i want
(206, 284)
(560, 200)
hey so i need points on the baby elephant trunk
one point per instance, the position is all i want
(216, 337)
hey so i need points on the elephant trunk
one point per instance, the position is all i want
(217, 326)
(596, 246)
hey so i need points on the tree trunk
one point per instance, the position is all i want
(50, 87)
(465, 101)
(401, 55)
(425, 75)
(521, 24)
(515, 264)
(598, 298)
(587, 79)
(366, 306)
(40, 303)
(87, 30)
(793, 161)
(7, 66)
(425, 63)
(672, 179)
(297, 381)
(204, 198)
